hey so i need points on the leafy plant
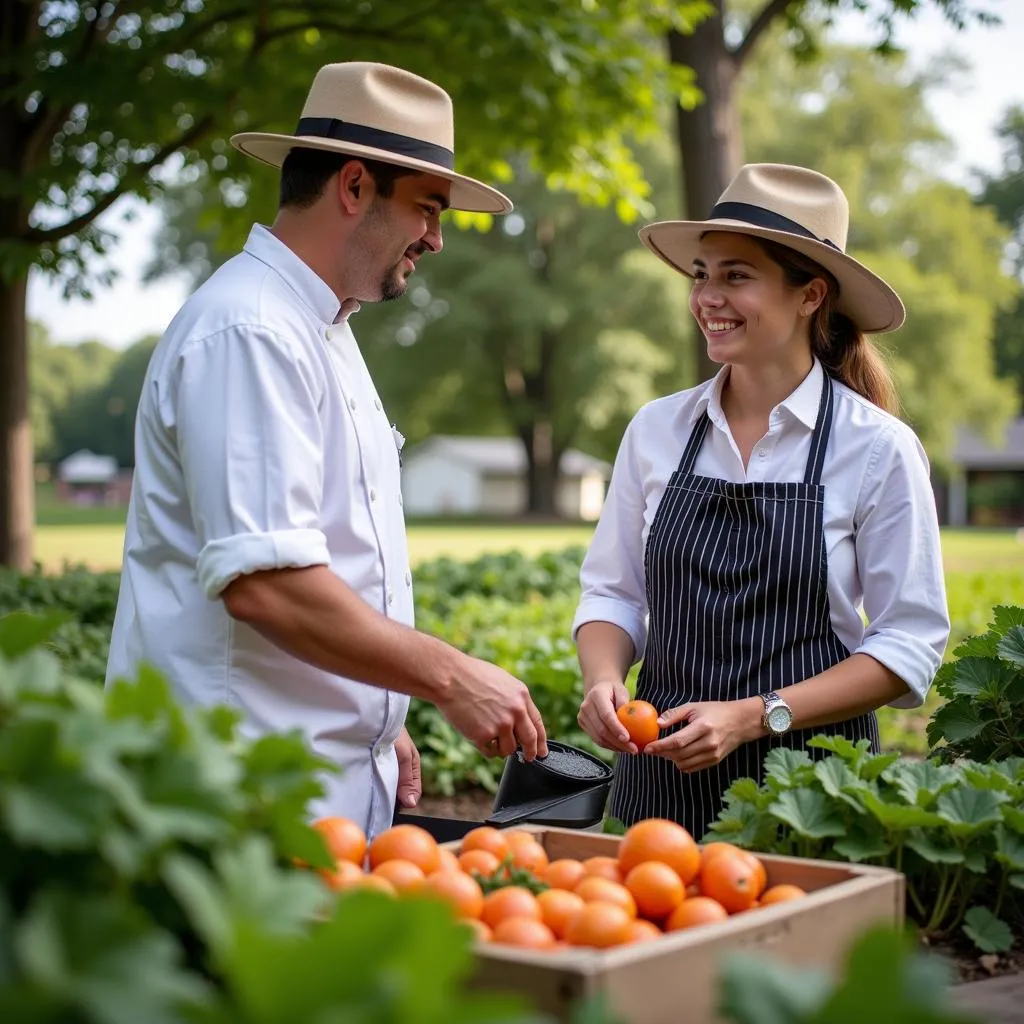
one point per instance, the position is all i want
(983, 687)
(884, 980)
(149, 871)
(956, 831)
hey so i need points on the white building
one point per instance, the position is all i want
(487, 476)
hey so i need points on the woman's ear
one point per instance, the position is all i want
(814, 295)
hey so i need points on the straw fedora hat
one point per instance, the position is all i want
(381, 113)
(801, 209)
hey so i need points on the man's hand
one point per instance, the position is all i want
(713, 730)
(598, 720)
(494, 711)
(410, 788)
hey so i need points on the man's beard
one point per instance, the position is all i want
(394, 285)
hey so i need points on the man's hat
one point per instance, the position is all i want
(800, 209)
(380, 113)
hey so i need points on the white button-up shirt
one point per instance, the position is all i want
(881, 530)
(261, 443)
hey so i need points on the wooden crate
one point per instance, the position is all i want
(675, 978)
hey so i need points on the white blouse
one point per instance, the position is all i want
(880, 525)
(261, 443)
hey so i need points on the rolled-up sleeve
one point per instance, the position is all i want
(899, 559)
(612, 575)
(250, 441)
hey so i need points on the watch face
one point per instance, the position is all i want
(779, 718)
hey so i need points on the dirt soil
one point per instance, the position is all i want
(474, 804)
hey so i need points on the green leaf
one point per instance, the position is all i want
(54, 812)
(755, 990)
(839, 782)
(860, 845)
(785, 768)
(956, 722)
(745, 790)
(1009, 848)
(1006, 617)
(871, 768)
(808, 813)
(920, 782)
(104, 959)
(1011, 647)
(935, 850)
(1014, 818)
(898, 817)
(613, 827)
(20, 632)
(968, 810)
(986, 931)
(843, 748)
(975, 677)
(1017, 881)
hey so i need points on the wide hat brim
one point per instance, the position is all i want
(863, 296)
(468, 194)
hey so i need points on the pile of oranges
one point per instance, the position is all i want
(503, 885)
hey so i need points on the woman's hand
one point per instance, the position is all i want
(598, 720)
(713, 730)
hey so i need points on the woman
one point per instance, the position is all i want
(750, 520)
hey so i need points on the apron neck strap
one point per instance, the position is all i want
(822, 430)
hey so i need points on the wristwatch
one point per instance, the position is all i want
(778, 715)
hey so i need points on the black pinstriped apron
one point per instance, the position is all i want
(738, 602)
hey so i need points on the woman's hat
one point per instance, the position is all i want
(800, 209)
(381, 113)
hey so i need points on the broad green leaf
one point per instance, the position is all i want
(975, 677)
(104, 958)
(920, 782)
(613, 826)
(859, 845)
(1014, 818)
(990, 777)
(872, 767)
(745, 790)
(202, 898)
(898, 817)
(809, 813)
(54, 812)
(35, 673)
(968, 810)
(20, 632)
(934, 850)
(785, 768)
(1006, 617)
(755, 990)
(1017, 881)
(956, 722)
(1009, 848)
(847, 750)
(1011, 647)
(839, 782)
(986, 931)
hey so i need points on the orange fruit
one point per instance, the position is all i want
(564, 873)
(657, 889)
(717, 848)
(603, 867)
(600, 925)
(344, 839)
(460, 890)
(731, 879)
(481, 861)
(594, 890)
(695, 911)
(374, 882)
(641, 721)
(642, 931)
(558, 907)
(527, 852)
(343, 875)
(402, 874)
(525, 932)
(709, 850)
(447, 861)
(512, 901)
(480, 931)
(406, 842)
(664, 840)
(488, 838)
(780, 893)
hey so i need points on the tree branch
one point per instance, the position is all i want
(758, 27)
(42, 236)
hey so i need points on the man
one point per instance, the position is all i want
(265, 562)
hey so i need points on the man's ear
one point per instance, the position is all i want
(355, 186)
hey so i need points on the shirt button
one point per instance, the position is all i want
(391, 597)
(376, 403)
(351, 403)
(762, 453)
(373, 494)
(399, 501)
(408, 580)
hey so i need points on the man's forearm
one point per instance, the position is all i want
(316, 617)
(605, 652)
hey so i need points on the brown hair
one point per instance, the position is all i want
(305, 173)
(836, 340)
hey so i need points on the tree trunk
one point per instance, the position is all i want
(17, 481)
(542, 470)
(709, 137)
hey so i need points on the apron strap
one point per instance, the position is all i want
(822, 430)
(700, 428)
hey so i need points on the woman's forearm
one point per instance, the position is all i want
(605, 653)
(847, 690)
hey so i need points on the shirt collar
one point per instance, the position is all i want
(266, 247)
(802, 403)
